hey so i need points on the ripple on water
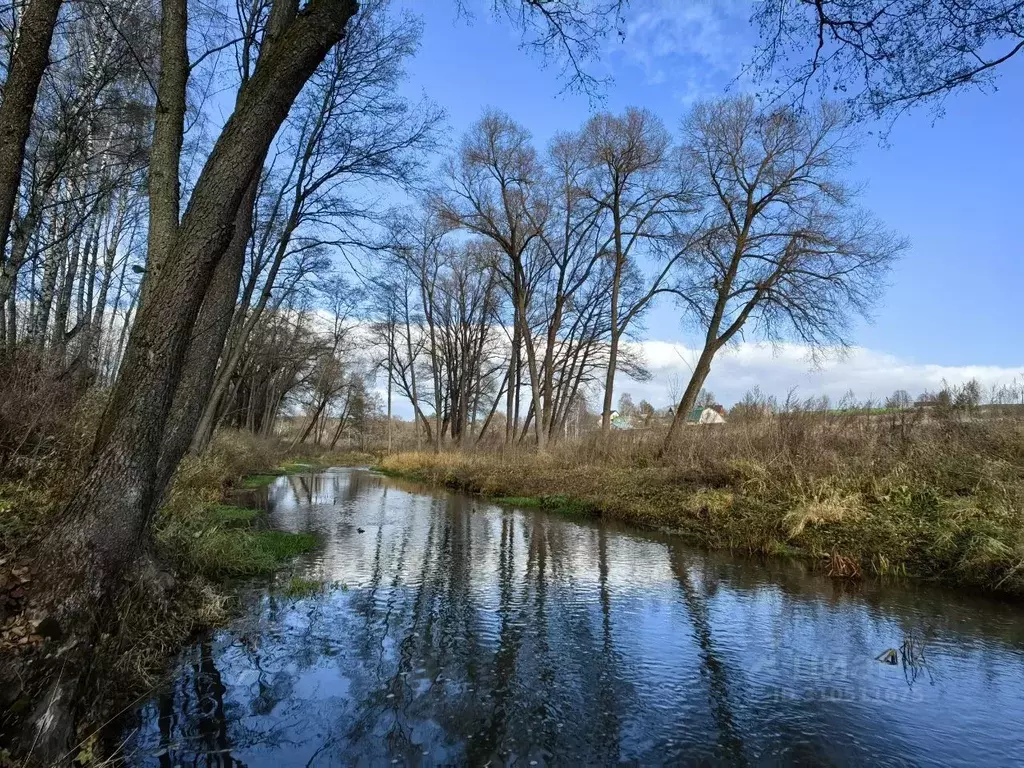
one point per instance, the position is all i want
(471, 633)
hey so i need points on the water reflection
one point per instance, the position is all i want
(461, 632)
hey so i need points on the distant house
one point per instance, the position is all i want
(619, 421)
(704, 416)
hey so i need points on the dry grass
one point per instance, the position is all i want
(833, 507)
(944, 500)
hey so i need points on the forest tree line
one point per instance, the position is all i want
(179, 183)
(507, 288)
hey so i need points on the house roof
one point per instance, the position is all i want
(704, 415)
(620, 422)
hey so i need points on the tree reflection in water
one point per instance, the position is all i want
(468, 633)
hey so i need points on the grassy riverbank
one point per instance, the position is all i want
(943, 501)
(204, 535)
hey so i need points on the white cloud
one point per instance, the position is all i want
(776, 370)
(696, 47)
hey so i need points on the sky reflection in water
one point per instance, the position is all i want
(461, 632)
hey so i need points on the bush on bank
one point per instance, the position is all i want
(943, 501)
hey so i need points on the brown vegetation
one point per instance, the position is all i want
(943, 499)
(110, 168)
(46, 427)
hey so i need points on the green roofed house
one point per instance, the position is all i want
(619, 421)
(705, 416)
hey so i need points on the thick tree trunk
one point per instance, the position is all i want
(613, 351)
(29, 61)
(101, 531)
(204, 350)
(168, 135)
(686, 403)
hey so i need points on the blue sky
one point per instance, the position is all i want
(950, 184)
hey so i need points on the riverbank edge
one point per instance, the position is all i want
(204, 543)
(705, 515)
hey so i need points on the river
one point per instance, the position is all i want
(455, 631)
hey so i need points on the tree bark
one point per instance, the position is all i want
(101, 531)
(193, 391)
(689, 398)
(613, 350)
(29, 61)
(168, 135)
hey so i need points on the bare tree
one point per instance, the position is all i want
(496, 189)
(783, 251)
(887, 56)
(349, 128)
(110, 515)
(198, 213)
(28, 61)
(635, 183)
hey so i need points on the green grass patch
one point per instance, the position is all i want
(261, 480)
(299, 587)
(281, 545)
(566, 505)
(233, 516)
(223, 552)
(218, 540)
(560, 503)
(527, 502)
(296, 467)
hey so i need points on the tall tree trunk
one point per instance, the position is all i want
(613, 350)
(511, 409)
(28, 62)
(689, 398)
(10, 336)
(51, 266)
(122, 337)
(24, 232)
(76, 251)
(101, 531)
(211, 329)
(321, 404)
(110, 248)
(535, 384)
(207, 420)
(168, 134)
(494, 408)
(391, 377)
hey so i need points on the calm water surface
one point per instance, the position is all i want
(460, 632)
